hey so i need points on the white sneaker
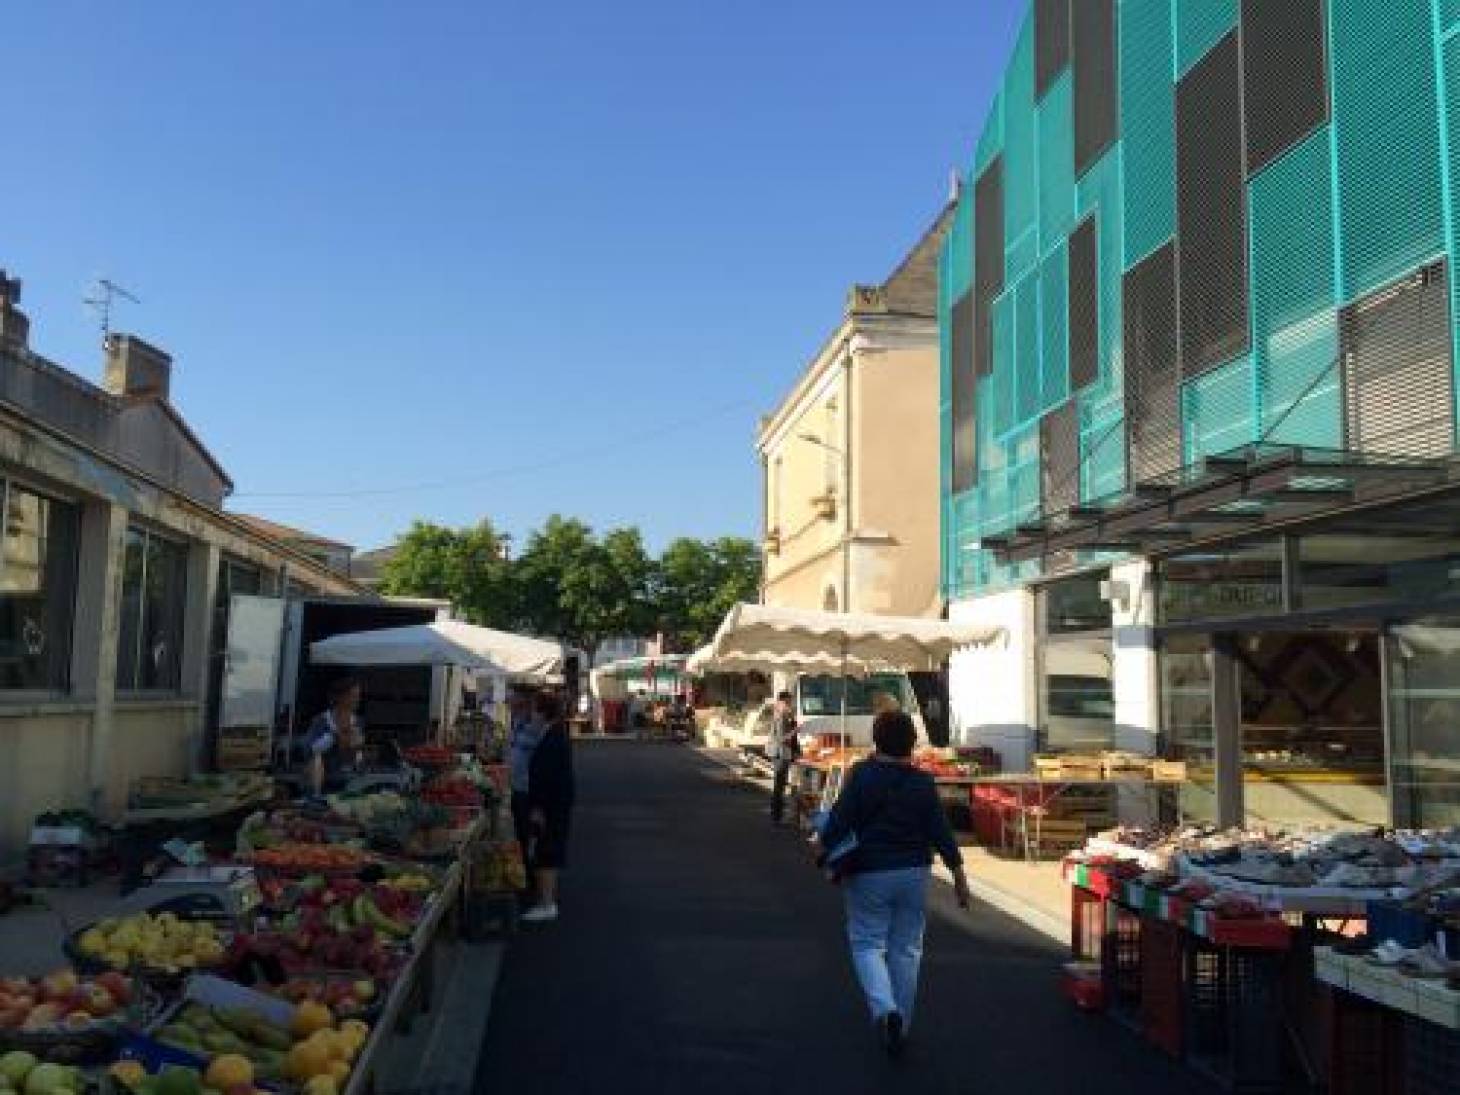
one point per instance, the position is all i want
(540, 914)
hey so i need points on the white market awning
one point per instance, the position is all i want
(447, 642)
(769, 638)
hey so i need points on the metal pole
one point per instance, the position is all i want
(844, 693)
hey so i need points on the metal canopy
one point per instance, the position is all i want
(1222, 496)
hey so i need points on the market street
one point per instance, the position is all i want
(700, 952)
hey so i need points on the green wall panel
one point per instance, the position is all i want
(1450, 62)
(1054, 357)
(1386, 121)
(1218, 411)
(1147, 126)
(1201, 24)
(1449, 13)
(1056, 163)
(1021, 179)
(959, 246)
(1295, 326)
(1102, 444)
(1027, 373)
(1001, 381)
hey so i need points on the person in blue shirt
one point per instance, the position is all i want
(894, 812)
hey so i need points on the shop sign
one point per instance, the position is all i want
(1195, 600)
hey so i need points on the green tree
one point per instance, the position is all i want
(468, 567)
(698, 582)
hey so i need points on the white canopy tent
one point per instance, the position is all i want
(448, 642)
(794, 640)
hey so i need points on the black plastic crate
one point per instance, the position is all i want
(1431, 1059)
(1232, 1015)
(1363, 1047)
(1120, 962)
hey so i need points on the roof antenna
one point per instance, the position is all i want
(102, 300)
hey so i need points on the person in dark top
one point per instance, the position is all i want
(783, 747)
(893, 811)
(335, 737)
(550, 794)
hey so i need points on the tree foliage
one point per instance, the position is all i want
(572, 584)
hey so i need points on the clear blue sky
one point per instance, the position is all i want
(391, 244)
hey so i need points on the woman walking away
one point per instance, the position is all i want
(550, 793)
(893, 812)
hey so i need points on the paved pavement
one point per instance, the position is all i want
(699, 952)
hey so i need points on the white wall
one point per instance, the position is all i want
(991, 690)
(1137, 697)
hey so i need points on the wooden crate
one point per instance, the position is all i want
(1168, 771)
(242, 750)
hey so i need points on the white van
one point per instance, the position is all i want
(818, 700)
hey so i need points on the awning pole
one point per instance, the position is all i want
(844, 735)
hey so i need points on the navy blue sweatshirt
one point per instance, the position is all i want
(895, 812)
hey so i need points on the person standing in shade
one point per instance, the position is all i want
(894, 812)
(783, 748)
(524, 735)
(551, 790)
(336, 737)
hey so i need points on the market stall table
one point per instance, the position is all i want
(1050, 790)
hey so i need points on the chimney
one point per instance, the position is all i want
(136, 369)
(14, 326)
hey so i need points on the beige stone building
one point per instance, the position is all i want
(850, 458)
(117, 562)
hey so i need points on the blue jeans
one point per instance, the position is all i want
(886, 911)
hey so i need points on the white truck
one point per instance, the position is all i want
(818, 709)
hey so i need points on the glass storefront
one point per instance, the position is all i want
(1424, 721)
(1222, 583)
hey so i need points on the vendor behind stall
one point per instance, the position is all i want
(336, 737)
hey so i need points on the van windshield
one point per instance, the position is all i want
(822, 695)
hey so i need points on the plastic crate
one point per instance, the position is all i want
(1363, 1047)
(1120, 961)
(1087, 923)
(1431, 1059)
(1161, 970)
(1232, 1014)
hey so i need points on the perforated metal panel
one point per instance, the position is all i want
(1001, 379)
(1027, 376)
(988, 257)
(1021, 179)
(1147, 125)
(964, 439)
(1151, 374)
(1211, 211)
(1294, 321)
(1084, 340)
(1398, 380)
(1201, 24)
(1056, 163)
(1449, 13)
(1097, 115)
(1098, 194)
(1219, 411)
(1054, 369)
(1051, 42)
(1386, 117)
(991, 137)
(1060, 454)
(1284, 76)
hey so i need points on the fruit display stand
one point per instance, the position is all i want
(208, 809)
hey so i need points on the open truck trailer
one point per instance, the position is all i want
(270, 690)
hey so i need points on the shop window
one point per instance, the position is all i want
(1222, 583)
(1312, 727)
(1424, 720)
(822, 694)
(154, 593)
(37, 590)
(1382, 564)
(1075, 604)
(1186, 702)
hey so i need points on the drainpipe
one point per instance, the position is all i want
(765, 521)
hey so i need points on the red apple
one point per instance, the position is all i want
(117, 986)
(13, 1018)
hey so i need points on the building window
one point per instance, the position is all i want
(1424, 719)
(1076, 667)
(154, 594)
(37, 590)
(1223, 583)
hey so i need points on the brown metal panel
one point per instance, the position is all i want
(964, 384)
(1097, 113)
(1284, 76)
(1051, 43)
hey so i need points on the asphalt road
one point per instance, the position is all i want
(699, 952)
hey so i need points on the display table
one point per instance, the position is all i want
(1420, 997)
(1035, 793)
(144, 831)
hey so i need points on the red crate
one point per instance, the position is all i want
(1161, 970)
(1088, 993)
